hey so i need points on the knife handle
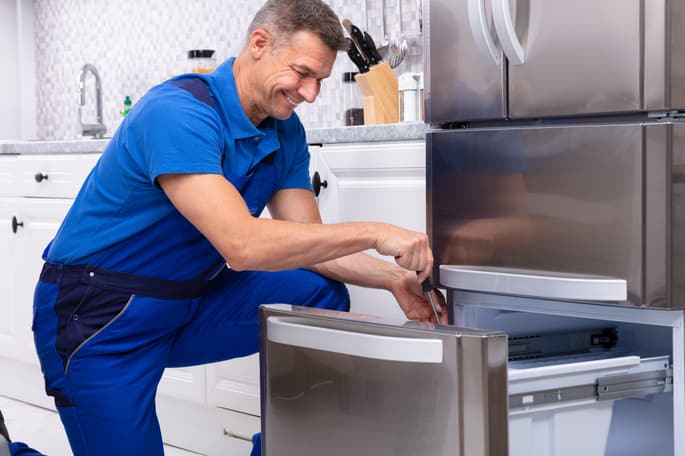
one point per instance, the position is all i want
(356, 57)
(373, 50)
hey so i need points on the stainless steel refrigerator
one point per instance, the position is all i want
(556, 187)
(555, 200)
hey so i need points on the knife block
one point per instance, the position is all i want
(379, 87)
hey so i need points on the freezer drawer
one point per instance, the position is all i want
(533, 211)
(523, 59)
(338, 384)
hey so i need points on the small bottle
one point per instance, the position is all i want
(409, 97)
(354, 113)
(126, 106)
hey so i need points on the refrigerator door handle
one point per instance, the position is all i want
(534, 284)
(293, 332)
(480, 30)
(506, 32)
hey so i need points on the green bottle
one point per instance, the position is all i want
(127, 106)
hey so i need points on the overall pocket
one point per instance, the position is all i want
(83, 312)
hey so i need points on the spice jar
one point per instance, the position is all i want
(201, 61)
(353, 113)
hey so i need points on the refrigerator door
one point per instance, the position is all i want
(675, 210)
(562, 212)
(581, 57)
(464, 74)
(341, 384)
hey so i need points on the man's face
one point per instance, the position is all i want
(292, 73)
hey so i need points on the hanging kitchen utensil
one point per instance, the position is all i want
(398, 47)
(383, 47)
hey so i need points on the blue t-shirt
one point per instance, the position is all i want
(122, 220)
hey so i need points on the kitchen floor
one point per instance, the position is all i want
(41, 429)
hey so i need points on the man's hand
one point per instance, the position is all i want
(414, 304)
(409, 248)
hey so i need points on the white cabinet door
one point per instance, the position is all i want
(234, 384)
(381, 182)
(10, 324)
(35, 222)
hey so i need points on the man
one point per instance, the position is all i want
(136, 280)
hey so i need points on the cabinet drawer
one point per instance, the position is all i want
(239, 426)
(52, 176)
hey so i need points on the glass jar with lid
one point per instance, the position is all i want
(201, 61)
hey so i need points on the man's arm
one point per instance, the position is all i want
(218, 211)
(358, 268)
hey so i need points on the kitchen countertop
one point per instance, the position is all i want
(371, 133)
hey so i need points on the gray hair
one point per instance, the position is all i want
(282, 18)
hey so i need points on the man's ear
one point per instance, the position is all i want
(260, 43)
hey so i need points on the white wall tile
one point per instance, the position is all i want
(136, 44)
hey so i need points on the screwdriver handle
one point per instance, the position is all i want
(426, 285)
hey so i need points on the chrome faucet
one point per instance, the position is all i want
(98, 129)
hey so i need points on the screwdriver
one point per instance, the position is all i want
(427, 288)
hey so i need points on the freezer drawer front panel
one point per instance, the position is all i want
(581, 57)
(462, 82)
(676, 211)
(335, 385)
(548, 201)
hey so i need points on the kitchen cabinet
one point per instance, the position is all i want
(382, 182)
(35, 194)
(207, 409)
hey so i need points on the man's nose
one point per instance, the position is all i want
(309, 90)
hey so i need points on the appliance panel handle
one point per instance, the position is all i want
(387, 348)
(480, 30)
(534, 283)
(506, 32)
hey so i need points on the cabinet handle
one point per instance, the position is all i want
(16, 224)
(235, 435)
(40, 177)
(317, 183)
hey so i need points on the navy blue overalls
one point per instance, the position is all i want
(105, 337)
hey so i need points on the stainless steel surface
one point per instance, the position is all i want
(664, 51)
(582, 57)
(591, 200)
(325, 401)
(460, 82)
(535, 284)
(97, 129)
(675, 211)
(577, 58)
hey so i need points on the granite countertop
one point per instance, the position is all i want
(386, 132)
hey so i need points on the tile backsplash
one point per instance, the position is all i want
(136, 44)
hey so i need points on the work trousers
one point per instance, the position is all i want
(104, 340)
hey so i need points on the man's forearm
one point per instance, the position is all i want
(361, 269)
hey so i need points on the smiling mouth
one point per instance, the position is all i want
(290, 100)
